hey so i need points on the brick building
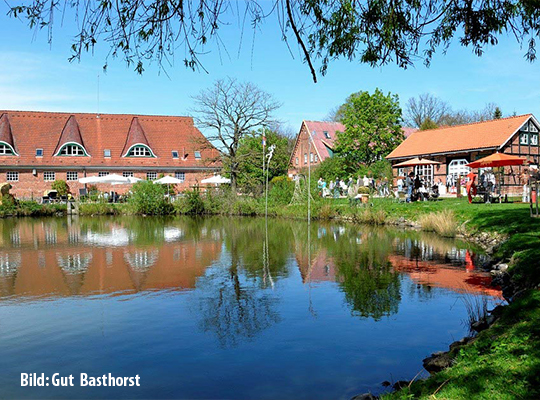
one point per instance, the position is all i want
(455, 146)
(323, 136)
(37, 148)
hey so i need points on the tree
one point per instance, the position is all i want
(229, 111)
(250, 151)
(428, 124)
(497, 114)
(372, 128)
(61, 187)
(425, 107)
(375, 33)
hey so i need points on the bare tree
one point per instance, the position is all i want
(425, 107)
(227, 112)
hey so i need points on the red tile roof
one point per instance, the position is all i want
(322, 143)
(478, 135)
(5, 130)
(70, 134)
(45, 130)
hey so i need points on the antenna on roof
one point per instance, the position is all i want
(97, 116)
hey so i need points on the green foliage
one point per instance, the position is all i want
(193, 202)
(28, 208)
(497, 114)
(427, 124)
(147, 198)
(281, 190)
(250, 151)
(372, 128)
(332, 168)
(61, 187)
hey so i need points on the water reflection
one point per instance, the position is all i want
(197, 303)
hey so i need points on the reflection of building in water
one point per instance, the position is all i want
(443, 275)
(320, 268)
(88, 267)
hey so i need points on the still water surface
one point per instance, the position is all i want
(217, 308)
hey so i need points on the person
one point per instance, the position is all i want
(336, 188)
(343, 187)
(409, 185)
(321, 185)
(400, 184)
(524, 178)
(366, 181)
(386, 190)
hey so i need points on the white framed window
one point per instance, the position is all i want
(296, 160)
(49, 176)
(525, 128)
(174, 154)
(5, 150)
(72, 150)
(197, 155)
(72, 175)
(127, 174)
(106, 153)
(458, 168)
(316, 158)
(524, 139)
(151, 176)
(310, 157)
(305, 158)
(140, 151)
(39, 152)
(425, 172)
(103, 173)
(327, 135)
(12, 176)
(532, 127)
(180, 175)
(533, 139)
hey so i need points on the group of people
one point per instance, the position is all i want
(417, 188)
(339, 187)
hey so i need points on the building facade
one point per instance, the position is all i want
(323, 137)
(37, 148)
(456, 146)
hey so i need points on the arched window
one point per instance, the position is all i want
(139, 150)
(6, 150)
(72, 149)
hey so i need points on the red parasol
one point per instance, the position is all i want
(497, 160)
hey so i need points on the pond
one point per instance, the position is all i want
(224, 308)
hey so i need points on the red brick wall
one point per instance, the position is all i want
(34, 186)
(302, 147)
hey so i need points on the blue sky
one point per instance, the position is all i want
(36, 76)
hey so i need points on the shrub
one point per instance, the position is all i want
(61, 187)
(193, 202)
(363, 190)
(281, 190)
(443, 222)
(147, 198)
(245, 206)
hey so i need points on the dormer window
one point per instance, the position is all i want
(72, 150)
(197, 155)
(6, 149)
(327, 135)
(174, 154)
(106, 153)
(139, 150)
(39, 152)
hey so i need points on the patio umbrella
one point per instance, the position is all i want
(497, 160)
(416, 161)
(111, 179)
(168, 180)
(217, 179)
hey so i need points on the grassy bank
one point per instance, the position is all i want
(30, 209)
(503, 362)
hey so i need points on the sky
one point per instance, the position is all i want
(37, 76)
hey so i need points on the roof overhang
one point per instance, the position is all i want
(442, 153)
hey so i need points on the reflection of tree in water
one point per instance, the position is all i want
(371, 286)
(233, 307)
